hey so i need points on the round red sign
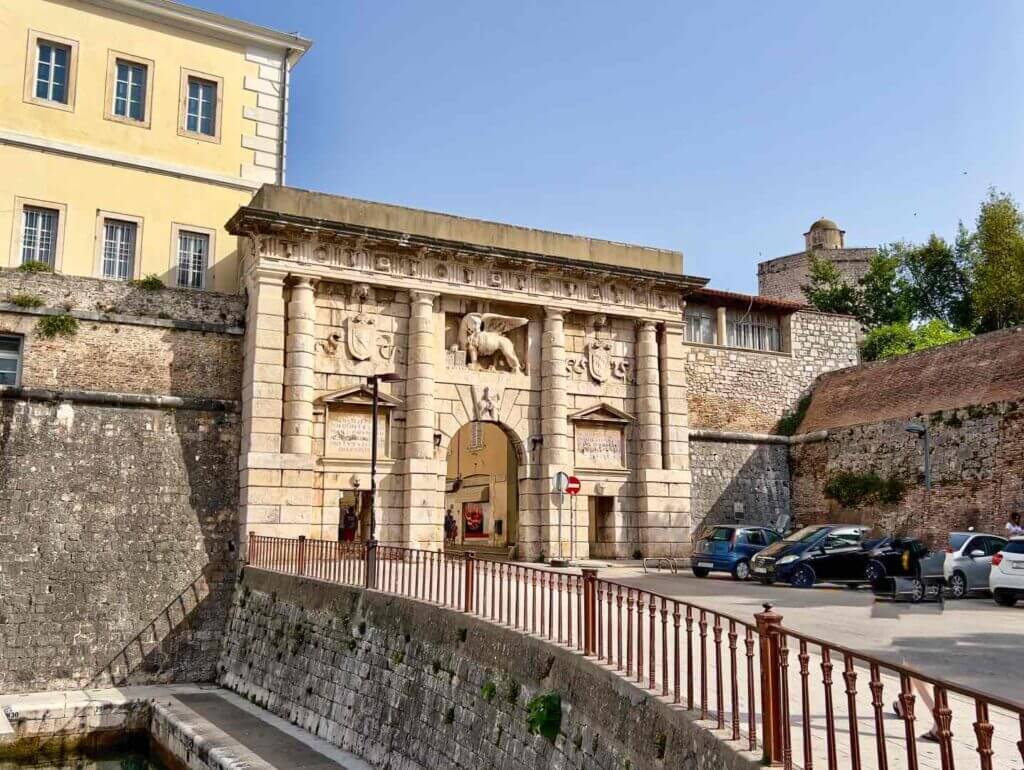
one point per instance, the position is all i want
(573, 487)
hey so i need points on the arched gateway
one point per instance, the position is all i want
(565, 353)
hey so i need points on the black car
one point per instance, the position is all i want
(828, 553)
(905, 569)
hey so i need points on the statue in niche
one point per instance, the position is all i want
(483, 334)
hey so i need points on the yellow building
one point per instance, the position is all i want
(131, 130)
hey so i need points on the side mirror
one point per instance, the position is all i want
(976, 553)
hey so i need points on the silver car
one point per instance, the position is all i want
(969, 561)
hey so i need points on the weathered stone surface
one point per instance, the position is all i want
(406, 685)
(739, 482)
(116, 553)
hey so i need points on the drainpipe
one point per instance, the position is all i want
(283, 128)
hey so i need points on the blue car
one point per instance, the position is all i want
(729, 548)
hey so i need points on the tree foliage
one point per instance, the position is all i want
(919, 295)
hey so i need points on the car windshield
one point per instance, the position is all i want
(720, 533)
(807, 533)
(957, 540)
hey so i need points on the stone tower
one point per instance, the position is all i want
(782, 277)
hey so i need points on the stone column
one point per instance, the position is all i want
(648, 397)
(300, 360)
(722, 327)
(424, 522)
(675, 423)
(556, 451)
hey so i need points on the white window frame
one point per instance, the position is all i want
(20, 203)
(708, 316)
(187, 76)
(101, 221)
(754, 330)
(114, 58)
(36, 37)
(177, 229)
(17, 356)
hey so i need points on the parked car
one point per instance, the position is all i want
(1006, 581)
(729, 548)
(969, 561)
(830, 553)
(905, 569)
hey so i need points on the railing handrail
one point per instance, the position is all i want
(684, 602)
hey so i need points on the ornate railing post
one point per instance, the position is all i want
(370, 576)
(468, 585)
(769, 624)
(589, 610)
(300, 558)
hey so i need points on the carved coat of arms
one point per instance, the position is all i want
(599, 359)
(359, 336)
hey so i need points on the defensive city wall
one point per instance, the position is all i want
(118, 482)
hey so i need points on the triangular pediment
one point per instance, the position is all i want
(601, 412)
(358, 395)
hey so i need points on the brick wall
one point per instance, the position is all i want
(743, 390)
(983, 370)
(115, 554)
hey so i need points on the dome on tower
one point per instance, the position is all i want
(824, 224)
(824, 234)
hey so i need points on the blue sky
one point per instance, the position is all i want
(721, 129)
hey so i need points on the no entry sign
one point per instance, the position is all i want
(572, 487)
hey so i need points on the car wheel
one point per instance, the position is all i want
(700, 571)
(875, 571)
(802, 578)
(919, 590)
(958, 585)
(741, 571)
(1004, 598)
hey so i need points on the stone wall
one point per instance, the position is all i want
(739, 481)
(782, 278)
(746, 390)
(118, 484)
(977, 462)
(406, 685)
(116, 557)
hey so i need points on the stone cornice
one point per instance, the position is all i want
(355, 253)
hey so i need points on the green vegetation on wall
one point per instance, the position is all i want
(57, 325)
(853, 489)
(544, 715)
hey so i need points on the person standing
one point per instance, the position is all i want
(1013, 526)
(349, 525)
(449, 526)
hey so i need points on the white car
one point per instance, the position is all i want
(1006, 580)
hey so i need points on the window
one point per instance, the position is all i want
(10, 359)
(756, 331)
(701, 325)
(39, 235)
(200, 112)
(193, 257)
(756, 537)
(50, 70)
(130, 91)
(52, 62)
(119, 239)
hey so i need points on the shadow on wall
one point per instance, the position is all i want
(737, 482)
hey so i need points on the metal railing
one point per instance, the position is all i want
(733, 673)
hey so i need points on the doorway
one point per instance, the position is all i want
(482, 490)
(354, 503)
(602, 525)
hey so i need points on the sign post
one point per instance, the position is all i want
(560, 483)
(572, 488)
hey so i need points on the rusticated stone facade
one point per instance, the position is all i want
(406, 686)
(747, 390)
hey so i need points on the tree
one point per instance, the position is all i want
(828, 291)
(899, 338)
(997, 255)
(886, 298)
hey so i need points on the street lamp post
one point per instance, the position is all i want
(374, 381)
(921, 431)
